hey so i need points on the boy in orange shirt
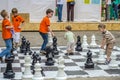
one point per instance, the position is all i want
(6, 35)
(45, 28)
(17, 21)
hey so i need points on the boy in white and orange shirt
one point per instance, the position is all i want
(17, 22)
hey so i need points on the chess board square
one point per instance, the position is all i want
(75, 73)
(76, 57)
(68, 61)
(96, 73)
(70, 64)
(18, 76)
(15, 69)
(50, 74)
(95, 68)
(73, 68)
(79, 60)
(50, 68)
(16, 61)
(113, 71)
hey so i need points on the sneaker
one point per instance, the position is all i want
(43, 52)
(71, 53)
(107, 61)
(66, 54)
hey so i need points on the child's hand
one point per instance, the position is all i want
(102, 46)
(19, 27)
(52, 34)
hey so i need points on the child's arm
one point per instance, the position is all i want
(50, 31)
(103, 43)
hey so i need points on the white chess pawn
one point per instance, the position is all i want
(38, 75)
(27, 75)
(113, 64)
(50, 38)
(85, 44)
(61, 74)
(101, 58)
(93, 43)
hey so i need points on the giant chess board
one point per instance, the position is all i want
(74, 65)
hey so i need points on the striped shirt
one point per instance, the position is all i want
(108, 36)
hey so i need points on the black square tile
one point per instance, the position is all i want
(113, 71)
(76, 73)
(70, 64)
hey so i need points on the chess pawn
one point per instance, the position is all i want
(38, 75)
(101, 58)
(78, 44)
(23, 45)
(50, 39)
(55, 50)
(89, 63)
(49, 56)
(93, 43)
(61, 74)
(9, 71)
(27, 46)
(113, 64)
(85, 44)
(27, 75)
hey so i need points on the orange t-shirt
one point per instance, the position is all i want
(17, 20)
(44, 25)
(6, 33)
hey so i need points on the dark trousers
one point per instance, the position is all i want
(45, 40)
(70, 12)
(60, 7)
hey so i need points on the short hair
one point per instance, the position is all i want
(3, 13)
(49, 11)
(102, 26)
(69, 28)
(14, 10)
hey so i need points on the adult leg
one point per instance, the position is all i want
(61, 7)
(58, 6)
(68, 11)
(72, 12)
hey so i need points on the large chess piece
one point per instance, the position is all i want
(55, 50)
(78, 44)
(93, 41)
(101, 58)
(114, 64)
(49, 55)
(23, 45)
(89, 63)
(61, 74)
(9, 71)
(50, 39)
(28, 46)
(27, 75)
(85, 44)
(38, 75)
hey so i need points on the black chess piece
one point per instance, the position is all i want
(89, 63)
(9, 70)
(23, 45)
(49, 55)
(78, 44)
(55, 50)
(28, 46)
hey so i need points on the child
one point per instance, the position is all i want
(45, 28)
(17, 21)
(70, 40)
(108, 40)
(6, 35)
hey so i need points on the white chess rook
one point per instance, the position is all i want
(93, 43)
(38, 75)
(27, 75)
(101, 58)
(113, 64)
(61, 74)
(85, 44)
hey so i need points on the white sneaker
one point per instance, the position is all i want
(18, 49)
(15, 52)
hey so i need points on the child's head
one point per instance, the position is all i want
(101, 27)
(68, 28)
(49, 13)
(4, 14)
(14, 11)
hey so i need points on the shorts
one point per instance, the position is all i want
(16, 37)
(70, 46)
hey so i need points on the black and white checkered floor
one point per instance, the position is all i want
(74, 65)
